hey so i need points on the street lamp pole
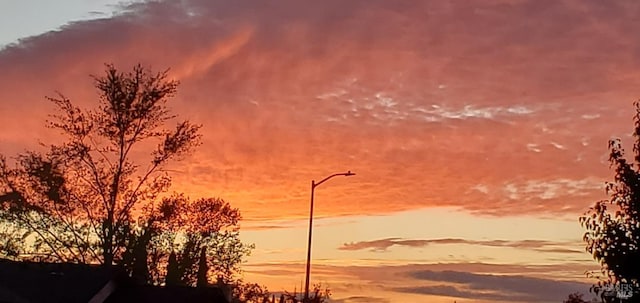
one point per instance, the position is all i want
(313, 187)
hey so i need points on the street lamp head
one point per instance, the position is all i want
(349, 173)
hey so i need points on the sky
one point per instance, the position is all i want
(477, 129)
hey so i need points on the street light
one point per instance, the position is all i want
(313, 187)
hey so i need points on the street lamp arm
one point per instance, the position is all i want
(348, 173)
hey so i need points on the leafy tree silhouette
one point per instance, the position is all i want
(575, 298)
(91, 199)
(613, 226)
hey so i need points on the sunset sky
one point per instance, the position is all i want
(477, 129)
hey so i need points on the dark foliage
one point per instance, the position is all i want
(203, 269)
(613, 226)
(575, 298)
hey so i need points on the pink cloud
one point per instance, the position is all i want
(425, 101)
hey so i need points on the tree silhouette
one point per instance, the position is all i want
(172, 277)
(613, 226)
(94, 199)
(575, 298)
(203, 269)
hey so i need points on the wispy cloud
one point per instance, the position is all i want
(362, 299)
(538, 245)
(493, 287)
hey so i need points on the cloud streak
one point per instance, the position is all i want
(537, 245)
(493, 287)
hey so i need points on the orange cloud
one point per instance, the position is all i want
(499, 108)
(204, 60)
